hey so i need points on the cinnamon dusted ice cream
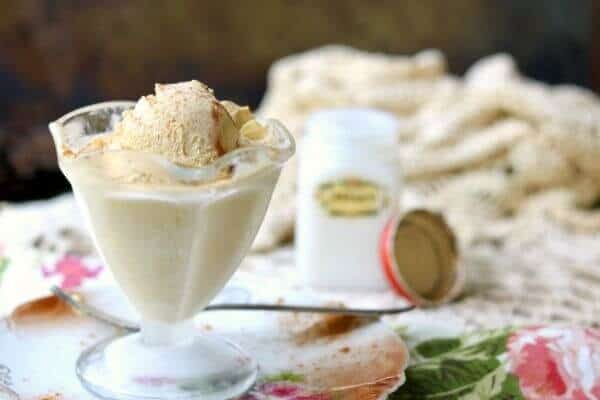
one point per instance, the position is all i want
(171, 205)
(182, 122)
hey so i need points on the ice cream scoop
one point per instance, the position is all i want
(182, 122)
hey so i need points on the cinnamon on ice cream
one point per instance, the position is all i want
(183, 122)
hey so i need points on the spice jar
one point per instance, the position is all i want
(348, 188)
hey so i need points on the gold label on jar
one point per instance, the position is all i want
(351, 197)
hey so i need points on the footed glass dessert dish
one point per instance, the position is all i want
(172, 236)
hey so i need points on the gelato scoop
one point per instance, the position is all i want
(183, 122)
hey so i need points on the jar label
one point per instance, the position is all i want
(351, 197)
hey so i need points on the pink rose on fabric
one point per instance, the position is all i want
(282, 391)
(72, 270)
(554, 363)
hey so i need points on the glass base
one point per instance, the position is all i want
(203, 367)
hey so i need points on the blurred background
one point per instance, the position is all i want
(56, 55)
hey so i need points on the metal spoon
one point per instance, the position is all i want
(100, 315)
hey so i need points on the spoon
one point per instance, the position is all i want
(78, 304)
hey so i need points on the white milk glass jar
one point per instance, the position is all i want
(348, 188)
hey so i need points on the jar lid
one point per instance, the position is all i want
(354, 126)
(420, 259)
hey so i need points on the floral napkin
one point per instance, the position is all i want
(537, 363)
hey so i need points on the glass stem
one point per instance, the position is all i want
(160, 333)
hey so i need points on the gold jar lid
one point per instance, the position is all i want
(420, 258)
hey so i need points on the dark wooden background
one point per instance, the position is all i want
(56, 55)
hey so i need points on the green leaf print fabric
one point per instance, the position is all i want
(469, 367)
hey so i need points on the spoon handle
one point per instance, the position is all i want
(87, 310)
(360, 312)
(96, 313)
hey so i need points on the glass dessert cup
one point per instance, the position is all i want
(172, 244)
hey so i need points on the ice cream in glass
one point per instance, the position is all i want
(173, 188)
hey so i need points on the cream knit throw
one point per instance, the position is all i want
(493, 150)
